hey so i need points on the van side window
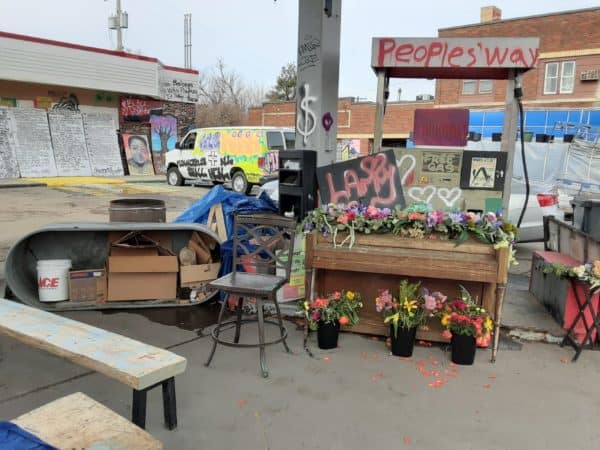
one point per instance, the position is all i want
(275, 140)
(290, 140)
(190, 142)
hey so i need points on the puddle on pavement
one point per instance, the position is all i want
(190, 318)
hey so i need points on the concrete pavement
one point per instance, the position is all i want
(354, 397)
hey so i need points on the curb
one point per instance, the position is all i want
(21, 185)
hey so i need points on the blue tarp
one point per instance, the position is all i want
(13, 437)
(231, 203)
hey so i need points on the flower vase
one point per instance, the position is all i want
(403, 342)
(463, 349)
(327, 334)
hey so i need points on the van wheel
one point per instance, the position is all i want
(174, 178)
(239, 183)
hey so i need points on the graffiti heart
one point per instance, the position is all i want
(449, 196)
(422, 194)
(411, 166)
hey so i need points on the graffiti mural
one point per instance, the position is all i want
(136, 109)
(138, 154)
(163, 137)
(69, 102)
(348, 149)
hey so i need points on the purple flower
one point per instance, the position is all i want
(308, 226)
(457, 218)
(386, 212)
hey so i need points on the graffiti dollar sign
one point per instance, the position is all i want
(308, 116)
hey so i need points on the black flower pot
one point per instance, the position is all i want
(327, 334)
(403, 342)
(463, 349)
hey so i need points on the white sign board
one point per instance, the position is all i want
(178, 86)
(34, 147)
(68, 140)
(102, 145)
(8, 158)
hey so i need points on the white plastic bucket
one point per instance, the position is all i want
(53, 279)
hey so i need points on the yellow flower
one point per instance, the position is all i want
(306, 305)
(350, 295)
(596, 268)
(409, 305)
(488, 324)
(501, 244)
(445, 319)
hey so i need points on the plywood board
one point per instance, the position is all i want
(34, 146)
(68, 141)
(102, 144)
(132, 362)
(8, 156)
(77, 421)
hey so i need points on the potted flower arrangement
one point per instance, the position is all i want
(327, 314)
(406, 313)
(467, 325)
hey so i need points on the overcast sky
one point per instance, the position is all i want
(256, 37)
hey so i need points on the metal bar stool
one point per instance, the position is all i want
(263, 243)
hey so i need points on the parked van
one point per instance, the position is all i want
(244, 156)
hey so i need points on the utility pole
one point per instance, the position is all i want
(118, 22)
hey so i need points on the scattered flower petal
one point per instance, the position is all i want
(242, 403)
(374, 378)
(565, 360)
(492, 377)
(487, 386)
(406, 440)
(326, 358)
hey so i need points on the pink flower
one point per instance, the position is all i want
(483, 341)
(458, 304)
(446, 334)
(372, 212)
(430, 302)
(416, 216)
(316, 316)
(491, 217)
(337, 295)
(343, 219)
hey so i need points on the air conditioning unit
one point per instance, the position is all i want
(424, 98)
(589, 75)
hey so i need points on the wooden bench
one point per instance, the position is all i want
(131, 362)
(76, 422)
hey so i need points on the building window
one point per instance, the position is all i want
(566, 83)
(486, 86)
(567, 77)
(469, 87)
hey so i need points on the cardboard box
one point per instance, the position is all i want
(148, 272)
(197, 275)
(87, 285)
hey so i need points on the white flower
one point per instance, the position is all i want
(579, 271)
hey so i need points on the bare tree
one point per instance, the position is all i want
(224, 98)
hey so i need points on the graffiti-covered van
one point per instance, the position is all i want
(245, 156)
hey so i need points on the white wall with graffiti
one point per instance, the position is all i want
(61, 142)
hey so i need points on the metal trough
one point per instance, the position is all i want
(86, 244)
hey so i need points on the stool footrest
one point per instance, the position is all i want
(231, 324)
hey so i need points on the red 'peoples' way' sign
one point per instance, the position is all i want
(444, 53)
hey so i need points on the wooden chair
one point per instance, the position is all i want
(263, 243)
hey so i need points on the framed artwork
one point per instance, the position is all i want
(483, 170)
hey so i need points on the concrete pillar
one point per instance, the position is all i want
(318, 76)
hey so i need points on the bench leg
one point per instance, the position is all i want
(169, 403)
(138, 410)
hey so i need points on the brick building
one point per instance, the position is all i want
(563, 88)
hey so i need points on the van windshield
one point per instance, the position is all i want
(290, 140)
